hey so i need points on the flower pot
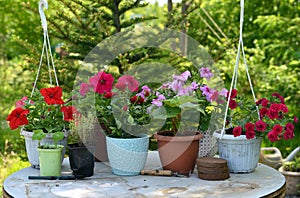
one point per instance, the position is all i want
(127, 156)
(292, 182)
(208, 145)
(178, 153)
(50, 161)
(31, 147)
(81, 160)
(242, 154)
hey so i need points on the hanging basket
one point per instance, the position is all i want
(241, 153)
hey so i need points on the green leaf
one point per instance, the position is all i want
(130, 119)
(57, 136)
(38, 135)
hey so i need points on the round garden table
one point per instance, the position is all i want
(264, 182)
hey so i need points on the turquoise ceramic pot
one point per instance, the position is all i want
(127, 157)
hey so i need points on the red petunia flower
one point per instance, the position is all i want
(263, 112)
(275, 107)
(289, 127)
(17, 117)
(136, 100)
(264, 102)
(296, 120)
(69, 112)
(273, 137)
(283, 108)
(52, 95)
(237, 131)
(102, 82)
(273, 114)
(260, 126)
(130, 82)
(233, 93)
(277, 95)
(288, 135)
(277, 129)
(232, 104)
(249, 126)
(250, 134)
(108, 95)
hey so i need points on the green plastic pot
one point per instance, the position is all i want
(50, 161)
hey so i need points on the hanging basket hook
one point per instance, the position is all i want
(43, 3)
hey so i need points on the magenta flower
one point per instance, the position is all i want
(130, 82)
(232, 104)
(237, 131)
(296, 120)
(288, 135)
(272, 136)
(260, 126)
(249, 126)
(277, 95)
(250, 134)
(283, 108)
(277, 129)
(84, 87)
(205, 73)
(102, 82)
(289, 127)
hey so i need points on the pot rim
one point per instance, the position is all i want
(290, 173)
(48, 135)
(143, 136)
(178, 138)
(217, 134)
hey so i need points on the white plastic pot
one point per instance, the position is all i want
(242, 155)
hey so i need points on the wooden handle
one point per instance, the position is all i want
(157, 172)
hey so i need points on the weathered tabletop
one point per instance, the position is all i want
(265, 181)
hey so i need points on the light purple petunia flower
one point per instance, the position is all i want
(182, 77)
(205, 73)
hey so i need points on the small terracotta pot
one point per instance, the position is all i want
(178, 153)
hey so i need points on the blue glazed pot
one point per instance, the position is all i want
(127, 157)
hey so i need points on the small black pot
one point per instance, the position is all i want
(81, 161)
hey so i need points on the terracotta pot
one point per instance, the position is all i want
(292, 182)
(100, 145)
(178, 153)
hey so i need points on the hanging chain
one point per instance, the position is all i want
(46, 48)
(235, 71)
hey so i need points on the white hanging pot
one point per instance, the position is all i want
(242, 154)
